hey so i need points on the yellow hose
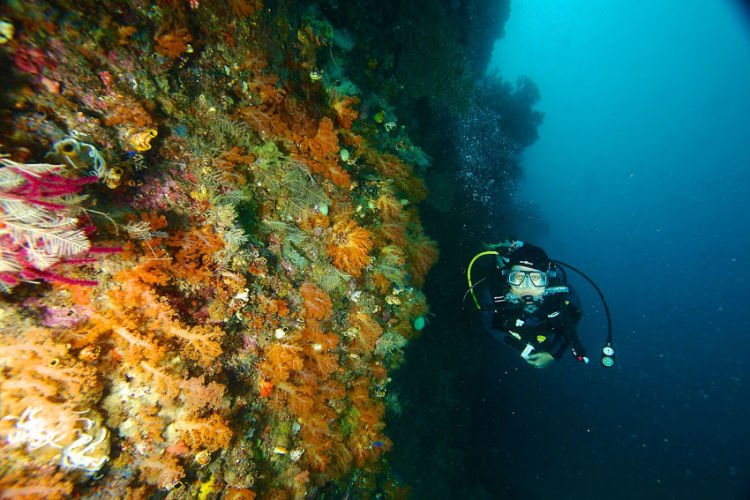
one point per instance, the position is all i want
(468, 274)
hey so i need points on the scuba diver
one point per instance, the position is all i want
(529, 306)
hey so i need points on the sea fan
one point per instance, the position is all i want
(38, 228)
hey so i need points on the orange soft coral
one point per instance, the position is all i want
(193, 260)
(281, 359)
(128, 112)
(325, 144)
(174, 43)
(368, 331)
(369, 424)
(197, 396)
(310, 221)
(141, 319)
(211, 433)
(34, 364)
(345, 111)
(265, 388)
(349, 246)
(423, 253)
(318, 347)
(318, 438)
(325, 364)
(263, 121)
(164, 471)
(228, 166)
(322, 154)
(317, 303)
(32, 484)
(393, 233)
(245, 8)
(389, 206)
(381, 282)
(313, 335)
(391, 167)
(48, 404)
(298, 399)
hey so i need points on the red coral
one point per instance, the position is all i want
(32, 60)
(265, 388)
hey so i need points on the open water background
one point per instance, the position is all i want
(641, 174)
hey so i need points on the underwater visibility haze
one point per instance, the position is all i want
(640, 175)
(234, 240)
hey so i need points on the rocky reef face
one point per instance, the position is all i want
(212, 235)
(212, 253)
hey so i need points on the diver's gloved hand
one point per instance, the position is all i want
(540, 359)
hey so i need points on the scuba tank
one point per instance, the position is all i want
(607, 351)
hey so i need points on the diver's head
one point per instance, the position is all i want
(526, 281)
(527, 273)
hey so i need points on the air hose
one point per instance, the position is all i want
(608, 352)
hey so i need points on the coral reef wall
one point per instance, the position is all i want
(211, 252)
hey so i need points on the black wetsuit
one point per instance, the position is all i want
(547, 324)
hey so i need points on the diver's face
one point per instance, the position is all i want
(526, 287)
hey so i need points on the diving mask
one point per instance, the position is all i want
(518, 278)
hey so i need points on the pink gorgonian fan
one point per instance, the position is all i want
(38, 225)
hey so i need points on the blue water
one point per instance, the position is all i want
(641, 170)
